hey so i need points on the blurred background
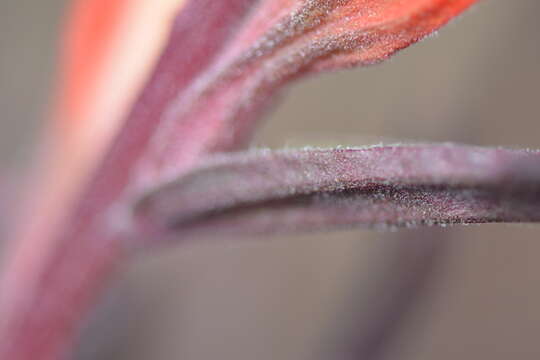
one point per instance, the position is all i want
(460, 292)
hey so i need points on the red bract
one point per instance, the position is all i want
(274, 43)
(220, 70)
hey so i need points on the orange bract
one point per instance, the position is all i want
(108, 49)
(87, 43)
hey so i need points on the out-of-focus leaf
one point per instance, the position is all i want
(384, 186)
(108, 49)
(108, 46)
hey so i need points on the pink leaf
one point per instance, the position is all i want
(383, 187)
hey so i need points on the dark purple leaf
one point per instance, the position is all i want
(384, 187)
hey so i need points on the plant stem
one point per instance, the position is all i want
(41, 318)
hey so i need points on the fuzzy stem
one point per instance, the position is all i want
(60, 263)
